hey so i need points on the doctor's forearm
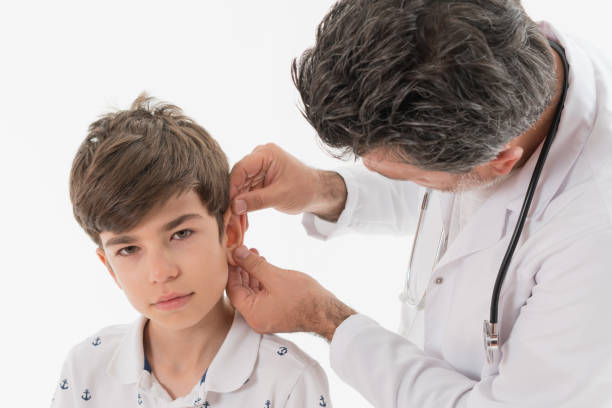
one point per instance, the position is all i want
(330, 197)
(329, 314)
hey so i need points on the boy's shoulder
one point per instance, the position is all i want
(268, 366)
(267, 351)
(89, 366)
(285, 352)
(103, 341)
(93, 355)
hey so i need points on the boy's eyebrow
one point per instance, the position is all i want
(123, 239)
(178, 221)
(126, 239)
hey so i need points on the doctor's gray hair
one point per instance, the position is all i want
(444, 84)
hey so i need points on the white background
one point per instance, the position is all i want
(227, 65)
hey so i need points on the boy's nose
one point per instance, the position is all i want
(162, 268)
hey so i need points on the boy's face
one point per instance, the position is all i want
(172, 266)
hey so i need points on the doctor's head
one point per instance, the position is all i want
(441, 87)
(150, 187)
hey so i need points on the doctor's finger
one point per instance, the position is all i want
(252, 167)
(254, 283)
(255, 251)
(246, 278)
(257, 199)
(237, 292)
(256, 266)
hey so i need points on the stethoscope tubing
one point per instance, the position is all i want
(491, 329)
(530, 190)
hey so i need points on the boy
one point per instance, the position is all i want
(151, 188)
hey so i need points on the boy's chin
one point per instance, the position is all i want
(188, 317)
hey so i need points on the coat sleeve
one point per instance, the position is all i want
(557, 354)
(374, 204)
(311, 389)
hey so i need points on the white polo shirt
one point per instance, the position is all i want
(250, 370)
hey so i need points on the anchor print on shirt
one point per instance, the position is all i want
(96, 342)
(268, 404)
(86, 395)
(64, 384)
(282, 351)
(322, 403)
(198, 403)
(140, 399)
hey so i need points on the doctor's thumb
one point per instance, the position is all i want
(250, 201)
(251, 262)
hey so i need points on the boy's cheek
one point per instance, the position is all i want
(112, 270)
(118, 281)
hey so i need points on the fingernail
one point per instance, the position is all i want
(241, 252)
(241, 206)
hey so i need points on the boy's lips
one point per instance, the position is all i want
(172, 301)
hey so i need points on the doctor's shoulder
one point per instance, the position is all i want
(298, 379)
(86, 364)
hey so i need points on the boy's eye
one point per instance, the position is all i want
(127, 250)
(182, 234)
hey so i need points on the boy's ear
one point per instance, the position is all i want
(235, 227)
(102, 255)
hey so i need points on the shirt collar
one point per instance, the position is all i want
(574, 129)
(229, 370)
(127, 364)
(235, 360)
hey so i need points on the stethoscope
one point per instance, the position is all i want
(491, 326)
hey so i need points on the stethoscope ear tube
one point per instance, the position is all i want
(491, 327)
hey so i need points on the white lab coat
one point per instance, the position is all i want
(556, 333)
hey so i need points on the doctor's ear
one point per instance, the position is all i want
(235, 227)
(102, 256)
(505, 160)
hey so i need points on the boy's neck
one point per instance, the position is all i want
(182, 356)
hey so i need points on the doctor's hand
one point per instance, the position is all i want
(271, 177)
(275, 300)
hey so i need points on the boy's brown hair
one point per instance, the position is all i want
(135, 160)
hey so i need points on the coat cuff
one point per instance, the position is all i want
(344, 337)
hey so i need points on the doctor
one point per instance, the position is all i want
(450, 105)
